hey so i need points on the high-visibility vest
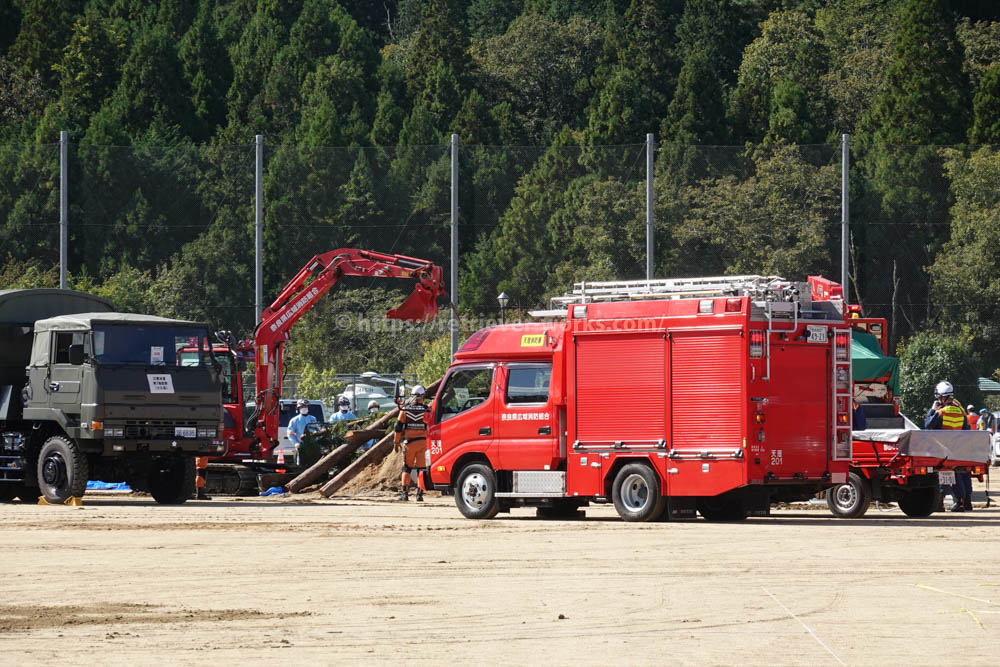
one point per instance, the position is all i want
(952, 417)
(973, 420)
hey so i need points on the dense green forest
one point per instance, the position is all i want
(551, 100)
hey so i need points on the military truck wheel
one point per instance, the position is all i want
(62, 470)
(475, 492)
(851, 500)
(920, 502)
(171, 480)
(636, 493)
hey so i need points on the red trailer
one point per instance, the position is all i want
(890, 462)
(721, 395)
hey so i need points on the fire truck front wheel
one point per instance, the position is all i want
(636, 493)
(475, 492)
(851, 500)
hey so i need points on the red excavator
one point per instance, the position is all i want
(251, 431)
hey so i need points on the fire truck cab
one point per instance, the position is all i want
(665, 397)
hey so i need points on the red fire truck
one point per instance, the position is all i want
(665, 397)
(890, 462)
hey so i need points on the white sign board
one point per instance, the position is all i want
(160, 384)
(185, 432)
(156, 356)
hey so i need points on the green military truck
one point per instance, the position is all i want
(90, 394)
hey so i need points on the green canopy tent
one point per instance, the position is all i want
(869, 364)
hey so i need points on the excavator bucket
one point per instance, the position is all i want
(421, 306)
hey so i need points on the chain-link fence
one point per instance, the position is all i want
(171, 230)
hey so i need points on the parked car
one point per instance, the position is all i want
(993, 426)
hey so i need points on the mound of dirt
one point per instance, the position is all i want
(380, 479)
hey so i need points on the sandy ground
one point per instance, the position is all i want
(124, 581)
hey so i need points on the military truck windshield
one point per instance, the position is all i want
(132, 345)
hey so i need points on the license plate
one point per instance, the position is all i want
(946, 477)
(185, 432)
(817, 333)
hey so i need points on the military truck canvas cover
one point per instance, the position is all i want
(27, 306)
(87, 321)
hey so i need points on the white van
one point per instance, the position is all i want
(287, 410)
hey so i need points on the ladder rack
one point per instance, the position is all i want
(767, 288)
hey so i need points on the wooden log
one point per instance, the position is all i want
(364, 435)
(318, 469)
(371, 457)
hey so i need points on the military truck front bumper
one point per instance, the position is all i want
(122, 447)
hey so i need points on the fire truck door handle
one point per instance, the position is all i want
(486, 430)
(53, 386)
(544, 430)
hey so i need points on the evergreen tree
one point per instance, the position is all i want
(489, 18)
(986, 109)
(44, 30)
(90, 67)
(788, 56)
(441, 37)
(925, 103)
(926, 100)
(207, 70)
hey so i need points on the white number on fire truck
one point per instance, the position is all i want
(817, 333)
(776, 457)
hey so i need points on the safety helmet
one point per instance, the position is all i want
(970, 408)
(372, 404)
(982, 411)
(343, 401)
(944, 388)
(418, 390)
(302, 403)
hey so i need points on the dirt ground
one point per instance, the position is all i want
(298, 580)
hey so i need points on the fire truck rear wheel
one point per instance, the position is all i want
(851, 500)
(636, 493)
(476, 492)
(920, 502)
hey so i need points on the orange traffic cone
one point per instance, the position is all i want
(281, 458)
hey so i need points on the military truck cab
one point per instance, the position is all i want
(102, 395)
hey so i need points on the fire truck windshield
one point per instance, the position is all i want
(126, 345)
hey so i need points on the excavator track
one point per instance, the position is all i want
(230, 479)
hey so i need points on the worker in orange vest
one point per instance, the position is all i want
(973, 417)
(411, 428)
(201, 468)
(947, 414)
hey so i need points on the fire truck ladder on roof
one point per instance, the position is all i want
(768, 288)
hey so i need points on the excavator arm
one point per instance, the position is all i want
(302, 292)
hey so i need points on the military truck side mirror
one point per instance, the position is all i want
(76, 354)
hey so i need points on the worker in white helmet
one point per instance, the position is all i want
(949, 415)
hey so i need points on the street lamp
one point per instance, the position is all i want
(503, 299)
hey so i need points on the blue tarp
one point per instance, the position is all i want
(94, 485)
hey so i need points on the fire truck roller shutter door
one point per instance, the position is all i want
(708, 373)
(631, 368)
